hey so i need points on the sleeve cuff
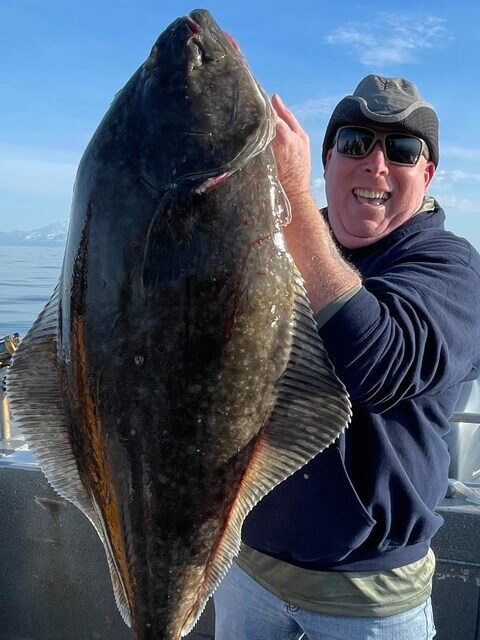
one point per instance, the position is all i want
(325, 314)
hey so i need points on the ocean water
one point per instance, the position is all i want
(28, 276)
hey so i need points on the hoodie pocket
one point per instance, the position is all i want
(313, 516)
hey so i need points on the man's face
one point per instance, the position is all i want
(369, 197)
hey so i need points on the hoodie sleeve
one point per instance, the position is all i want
(412, 329)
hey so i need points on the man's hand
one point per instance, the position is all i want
(291, 147)
(326, 274)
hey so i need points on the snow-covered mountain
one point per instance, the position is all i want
(53, 234)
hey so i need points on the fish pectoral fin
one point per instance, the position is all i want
(312, 409)
(168, 238)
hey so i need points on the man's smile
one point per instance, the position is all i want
(371, 196)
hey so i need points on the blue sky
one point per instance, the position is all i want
(62, 61)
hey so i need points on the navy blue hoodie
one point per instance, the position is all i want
(402, 346)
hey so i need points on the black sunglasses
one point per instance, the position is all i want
(399, 148)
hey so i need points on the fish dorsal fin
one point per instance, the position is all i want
(36, 403)
(34, 392)
(311, 411)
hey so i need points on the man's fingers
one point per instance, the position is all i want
(281, 127)
(233, 42)
(285, 114)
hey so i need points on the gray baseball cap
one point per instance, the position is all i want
(388, 104)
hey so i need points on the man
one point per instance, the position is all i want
(341, 549)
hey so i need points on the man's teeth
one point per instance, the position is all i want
(371, 194)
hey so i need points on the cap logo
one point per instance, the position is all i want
(393, 117)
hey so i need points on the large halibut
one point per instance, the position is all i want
(176, 375)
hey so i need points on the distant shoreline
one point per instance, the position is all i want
(52, 235)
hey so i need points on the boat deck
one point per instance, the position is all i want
(55, 583)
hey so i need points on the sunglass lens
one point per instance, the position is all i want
(402, 149)
(354, 142)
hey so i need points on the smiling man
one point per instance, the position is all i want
(341, 549)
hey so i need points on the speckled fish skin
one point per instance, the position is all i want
(173, 325)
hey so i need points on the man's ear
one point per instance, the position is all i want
(429, 173)
(327, 160)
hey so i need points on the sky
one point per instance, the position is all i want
(62, 62)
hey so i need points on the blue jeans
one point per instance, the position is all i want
(244, 610)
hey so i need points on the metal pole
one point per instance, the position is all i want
(5, 430)
(465, 416)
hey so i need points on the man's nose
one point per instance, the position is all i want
(376, 160)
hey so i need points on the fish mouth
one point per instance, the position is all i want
(200, 52)
(200, 20)
(194, 45)
(192, 23)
